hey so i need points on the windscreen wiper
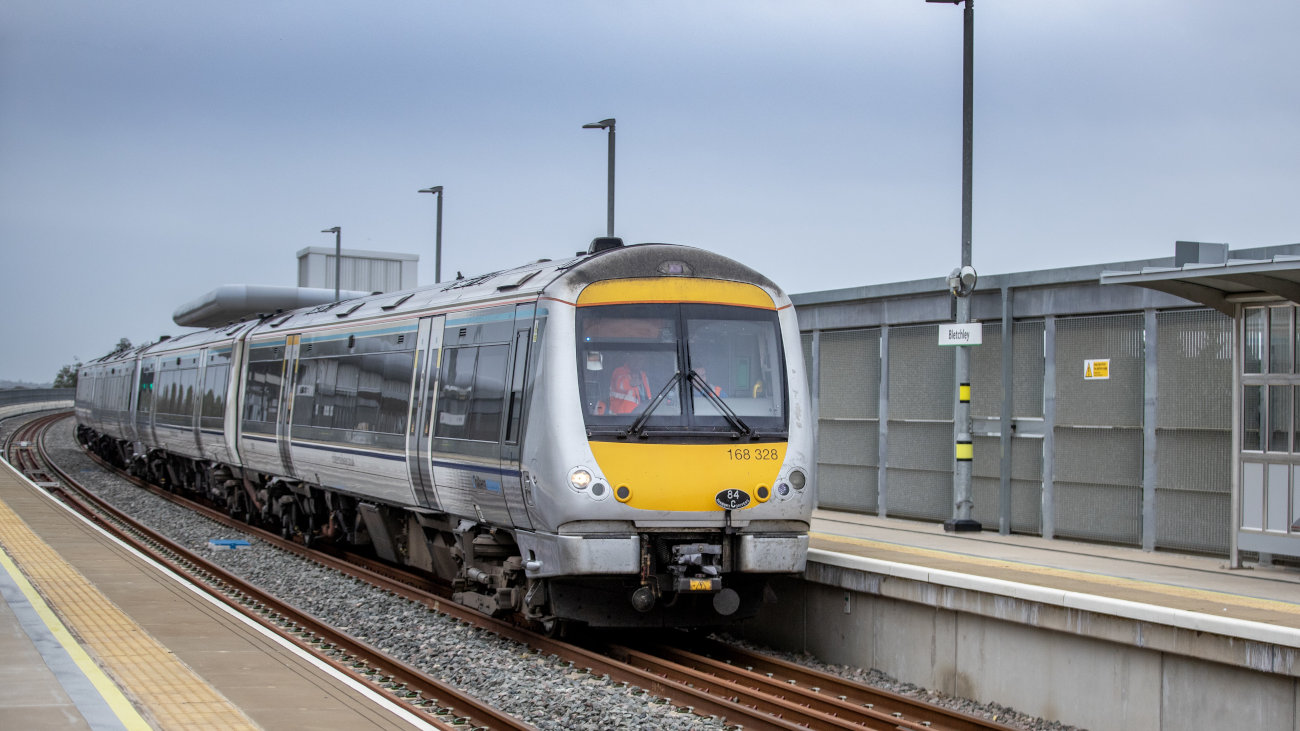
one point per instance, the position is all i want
(639, 424)
(727, 413)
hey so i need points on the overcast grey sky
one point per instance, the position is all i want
(151, 151)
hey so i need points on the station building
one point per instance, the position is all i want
(1151, 403)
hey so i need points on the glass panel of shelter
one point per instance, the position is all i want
(1270, 428)
(1270, 380)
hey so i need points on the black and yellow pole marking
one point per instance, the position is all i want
(965, 449)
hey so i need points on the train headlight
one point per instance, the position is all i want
(580, 478)
(798, 479)
(782, 489)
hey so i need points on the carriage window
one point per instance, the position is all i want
(367, 393)
(472, 393)
(214, 392)
(146, 390)
(262, 402)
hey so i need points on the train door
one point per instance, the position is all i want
(511, 480)
(288, 384)
(234, 397)
(130, 430)
(196, 406)
(145, 404)
(428, 349)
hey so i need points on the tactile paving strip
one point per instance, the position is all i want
(166, 690)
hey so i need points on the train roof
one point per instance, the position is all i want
(561, 279)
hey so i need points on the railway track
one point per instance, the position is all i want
(444, 706)
(709, 678)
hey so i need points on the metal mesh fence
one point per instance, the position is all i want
(1112, 401)
(920, 451)
(1099, 512)
(847, 456)
(848, 428)
(1194, 434)
(1026, 370)
(1026, 483)
(1193, 521)
(1097, 434)
(920, 374)
(806, 340)
(1098, 480)
(1028, 367)
(1098, 484)
(986, 373)
(920, 458)
(1194, 353)
(850, 374)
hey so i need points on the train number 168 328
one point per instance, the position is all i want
(753, 453)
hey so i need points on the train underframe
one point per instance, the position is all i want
(685, 578)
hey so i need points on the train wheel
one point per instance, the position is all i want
(289, 521)
(555, 628)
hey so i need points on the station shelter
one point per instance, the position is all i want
(1260, 295)
(1108, 401)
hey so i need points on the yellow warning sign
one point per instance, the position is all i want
(1096, 370)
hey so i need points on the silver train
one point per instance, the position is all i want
(619, 439)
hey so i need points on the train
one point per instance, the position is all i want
(622, 438)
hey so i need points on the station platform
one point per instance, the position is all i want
(1182, 584)
(94, 635)
(1093, 636)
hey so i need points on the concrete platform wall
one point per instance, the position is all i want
(1079, 679)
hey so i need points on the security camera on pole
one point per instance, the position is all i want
(963, 333)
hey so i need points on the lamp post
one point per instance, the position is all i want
(437, 246)
(961, 426)
(338, 257)
(609, 125)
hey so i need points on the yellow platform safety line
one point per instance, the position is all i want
(1183, 592)
(117, 702)
(171, 694)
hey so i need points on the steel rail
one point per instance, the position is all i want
(719, 655)
(749, 698)
(399, 682)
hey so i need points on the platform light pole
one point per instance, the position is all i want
(965, 283)
(437, 245)
(338, 257)
(609, 125)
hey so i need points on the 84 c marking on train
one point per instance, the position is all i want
(732, 499)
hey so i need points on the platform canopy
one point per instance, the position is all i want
(1204, 273)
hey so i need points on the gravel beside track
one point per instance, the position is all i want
(539, 689)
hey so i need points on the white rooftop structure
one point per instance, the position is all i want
(366, 271)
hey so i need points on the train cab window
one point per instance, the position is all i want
(738, 360)
(648, 366)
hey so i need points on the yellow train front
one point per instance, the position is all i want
(668, 441)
